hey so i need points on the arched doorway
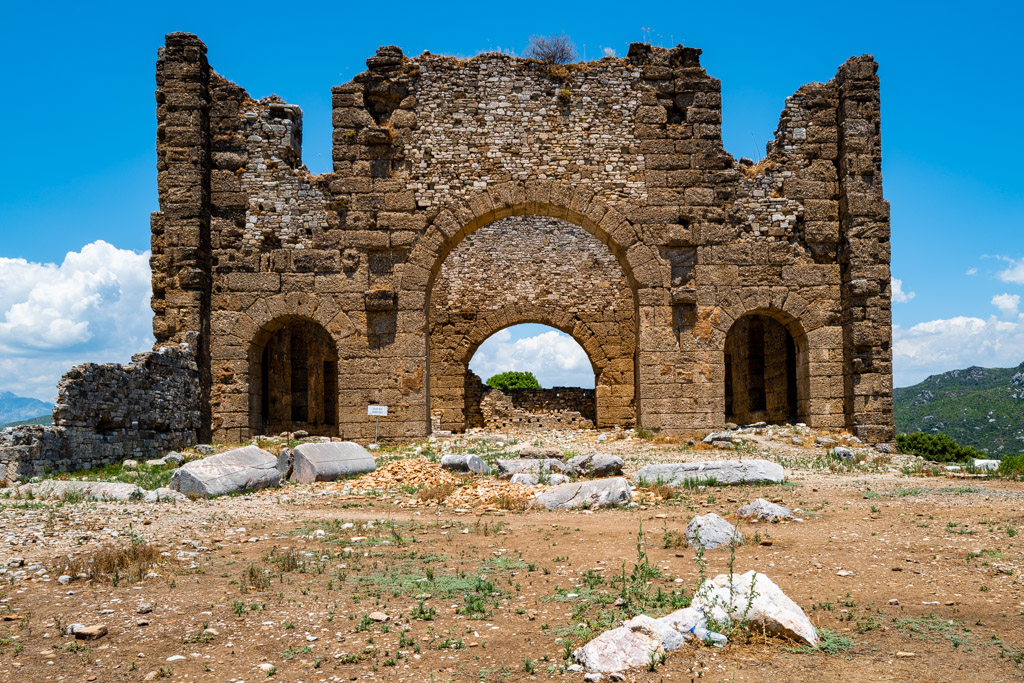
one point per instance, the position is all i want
(294, 379)
(531, 268)
(564, 398)
(765, 371)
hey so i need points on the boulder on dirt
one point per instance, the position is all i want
(330, 461)
(541, 452)
(720, 471)
(204, 449)
(164, 494)
(285, 462)
(844, 453)
(597, 493)
(53, 489)
(94, 632)
(174, 458)
(769, 608)
(718, 436)
(825, 441)
(765, 511)
(235, 471)
(506, 468)
(529, 479)
(465, 462)
(625, 647)
(595, 465)
(986, 465)
(711, 531)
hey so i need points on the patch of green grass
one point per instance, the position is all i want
(935, 629)
(829, 643)
(144, 476)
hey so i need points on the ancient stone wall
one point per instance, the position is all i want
(430, 151)
(108, 413)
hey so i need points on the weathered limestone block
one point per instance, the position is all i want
(236, 471)
(465, 462)
(330, 461)
(721, 471)
(598, 493)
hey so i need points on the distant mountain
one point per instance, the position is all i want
(42, 420)
(14, 408)
(980, 407)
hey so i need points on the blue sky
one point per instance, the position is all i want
(80, 135)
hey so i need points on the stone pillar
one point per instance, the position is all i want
(864, 255)
(181, 229)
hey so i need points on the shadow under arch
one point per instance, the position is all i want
(767, 372)
(293, 378)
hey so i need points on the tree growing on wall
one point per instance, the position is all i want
(551, 49)
(513, 379)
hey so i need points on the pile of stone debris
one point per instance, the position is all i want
(398, 475)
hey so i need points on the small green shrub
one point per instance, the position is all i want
(513, 379)
(1012, 466)
(937, 447)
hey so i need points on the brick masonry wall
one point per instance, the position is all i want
(429, 151)
(108, 413)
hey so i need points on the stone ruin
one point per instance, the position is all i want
(469, 195)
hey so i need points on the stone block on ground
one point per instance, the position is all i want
(713, 532)
(506, 468)
(986, 465)
(87, 490)
(465, 462)
(596, 493)
(530, 479)
(770, 608)
(164, 494)
(721, 471)
(241, 469)
(330, 461)
(765, 511)
(844, 453)
(595, 465)
(626, 647)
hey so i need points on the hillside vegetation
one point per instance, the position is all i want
(979, 407)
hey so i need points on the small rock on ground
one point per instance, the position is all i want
(713, 531)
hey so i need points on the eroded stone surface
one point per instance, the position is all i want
(764, 511)
(235, 471)
(597, 493)
(721, 471)
(711, 531)
(329, 461)
(595, 465)
(465, 462)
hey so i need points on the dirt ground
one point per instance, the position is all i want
(910, 578)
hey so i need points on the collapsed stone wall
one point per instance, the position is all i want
(429, 151)
(108, 413)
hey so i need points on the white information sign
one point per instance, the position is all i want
(379, 411)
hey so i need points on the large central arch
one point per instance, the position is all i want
(541, 264)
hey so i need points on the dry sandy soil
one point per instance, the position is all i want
(910, 578)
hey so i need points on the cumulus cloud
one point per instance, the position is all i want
(94, 306)
(1007, 304)
(898, 295)
(1014, 273)
(553, 357)
(936, 346)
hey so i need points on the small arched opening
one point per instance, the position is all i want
(294, 379)
(564, 396)
(765, 371)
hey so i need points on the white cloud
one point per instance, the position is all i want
(92, 307)
(1007, 304)
(898, 295)
(936, 346)
(553, 357)
(971, 271)
(1014, 273)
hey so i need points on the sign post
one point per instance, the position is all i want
(377, 411)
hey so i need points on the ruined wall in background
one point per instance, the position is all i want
(109, 413)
